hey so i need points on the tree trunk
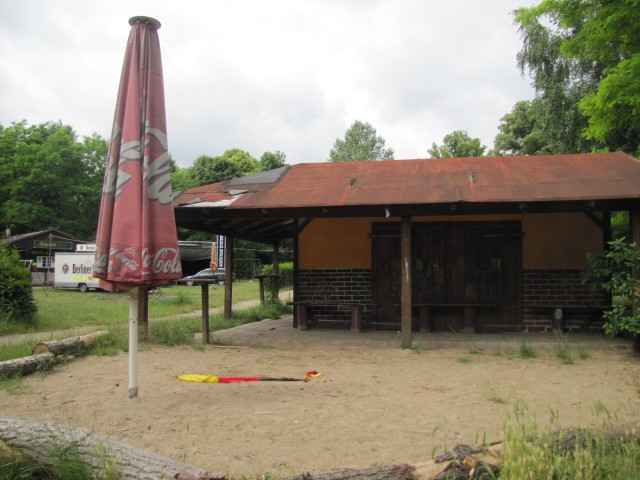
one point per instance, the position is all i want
(41, 441)
(27, 365)
(399, 472)
(68, 345)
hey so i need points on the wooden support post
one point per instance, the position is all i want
(469, 319)
(276, 271)
(205, 312)
(143, 314)
(261, 283)
(228, 277)
(301, 311)
(356, 318)
(425, 320)
(295, 274)
(405, 287)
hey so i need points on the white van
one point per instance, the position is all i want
(75, 270)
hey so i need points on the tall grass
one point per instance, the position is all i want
(532, 451)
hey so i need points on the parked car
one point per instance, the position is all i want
(207, 274)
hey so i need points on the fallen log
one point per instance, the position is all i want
(28, 365)
(396, 472)
(68, 345)
(40, 442)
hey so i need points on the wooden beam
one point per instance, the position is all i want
(405, 287)
(205, 312)
(228, 279)
(296, 276)
(276, 271)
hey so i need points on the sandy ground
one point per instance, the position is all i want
(375, 404)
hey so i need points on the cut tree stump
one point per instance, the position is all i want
(28, 365)
(68, 345)
(39, 442)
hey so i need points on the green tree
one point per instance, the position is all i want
(361, 142)
(272, 160)
(519, 133)
(183, 179)
(49, 179)
(232, 163)
(457, 144)
(582, 56)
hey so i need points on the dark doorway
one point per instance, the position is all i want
(452, 263)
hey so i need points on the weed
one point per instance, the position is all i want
(526, 350)
(12, 385)
(476, 351)
(464, 360)
(583, 353)
(417, 349)
(561, 350)
(495, 398)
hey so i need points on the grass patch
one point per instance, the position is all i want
(561, 350)
(532, 451)
(526, 350)
(21, 349)
(60, 309)
(464, 360)
(495, 398)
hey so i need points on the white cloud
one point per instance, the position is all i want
(279, 75)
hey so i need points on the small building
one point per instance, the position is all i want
(492, 244)
(37, 251)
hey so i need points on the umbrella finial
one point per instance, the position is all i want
(149, 20)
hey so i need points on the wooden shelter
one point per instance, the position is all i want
(37, 251)
(487, 244)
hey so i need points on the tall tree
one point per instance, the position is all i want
(583, 58)
(519, 133)
(361, 142)
(457, 144)
(49, 179)
(271, 160)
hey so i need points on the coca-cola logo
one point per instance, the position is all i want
(165, 260)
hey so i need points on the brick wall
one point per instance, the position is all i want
(544, 290)
(340, 285)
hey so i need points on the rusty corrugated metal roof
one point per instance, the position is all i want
(546, 178)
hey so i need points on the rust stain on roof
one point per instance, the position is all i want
(428, 181)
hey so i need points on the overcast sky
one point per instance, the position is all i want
(266, 75)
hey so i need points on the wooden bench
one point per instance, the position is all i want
(468, 313)
(356, 311)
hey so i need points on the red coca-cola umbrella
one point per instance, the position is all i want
(136, 242)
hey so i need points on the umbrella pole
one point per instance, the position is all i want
(133, 342)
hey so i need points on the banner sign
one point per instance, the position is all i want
(222, 241)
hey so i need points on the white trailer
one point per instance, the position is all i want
(75, 270)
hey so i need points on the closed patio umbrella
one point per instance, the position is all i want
(136, 241)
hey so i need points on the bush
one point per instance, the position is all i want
(16, 296)
(614, 271)
(286, 276)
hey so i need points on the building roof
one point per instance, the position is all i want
(53, 232)
(410, 187)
